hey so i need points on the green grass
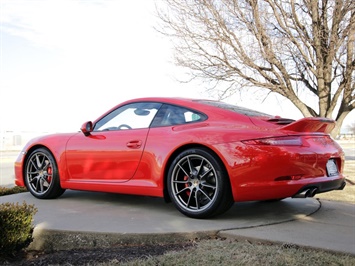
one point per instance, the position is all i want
(348, 193)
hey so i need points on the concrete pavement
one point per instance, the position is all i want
(331, 228)
(88, 219)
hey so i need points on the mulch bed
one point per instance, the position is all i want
(92, 256)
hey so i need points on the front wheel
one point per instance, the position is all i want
(198, 184)
(41, 175)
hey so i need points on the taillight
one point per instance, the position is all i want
(276, 141)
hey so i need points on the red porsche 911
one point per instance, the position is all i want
(202, 155)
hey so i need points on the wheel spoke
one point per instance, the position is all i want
(182, 190)
(45, 167)
(182, 168)
(39, 186)
(205, 173)
(34, 179)
(200, 167)
(31, 173)
(206, 184)
(34, 165)
(45, 180)
(189, 199)
(196, 200)
(180, 182)
(38, 162)
(204, 193)
(189, 163)
(42, 184)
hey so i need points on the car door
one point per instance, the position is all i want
(112, 152)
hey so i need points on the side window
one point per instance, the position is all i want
(130, 116)
(169, 115)
(191, 116)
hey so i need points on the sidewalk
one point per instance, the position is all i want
(87, 219)
(331, 228)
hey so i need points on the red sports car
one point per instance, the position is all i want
(202, 155)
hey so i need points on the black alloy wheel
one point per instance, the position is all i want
(41, 175)
(198, 184)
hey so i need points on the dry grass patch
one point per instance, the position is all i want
(348, 193)
(232, 252)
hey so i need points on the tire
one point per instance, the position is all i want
(41, 175)
(198, 184)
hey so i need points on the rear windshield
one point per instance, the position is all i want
(234, 108)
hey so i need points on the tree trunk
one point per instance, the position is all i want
(339, 122)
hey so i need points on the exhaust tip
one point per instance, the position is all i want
(311, 192)
(307, 193)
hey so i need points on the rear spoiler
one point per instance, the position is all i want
(311, 124)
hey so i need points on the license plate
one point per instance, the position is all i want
(332, 168)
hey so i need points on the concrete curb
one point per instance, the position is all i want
(54, 240)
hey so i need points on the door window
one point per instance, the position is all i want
(130, 116)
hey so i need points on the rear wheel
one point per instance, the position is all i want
(198, 184)
(41, 175)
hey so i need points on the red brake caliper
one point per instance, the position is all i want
(188, 192)
(49, 172)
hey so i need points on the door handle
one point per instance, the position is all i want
(134, 144)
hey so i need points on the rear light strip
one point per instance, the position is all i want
(276, 141)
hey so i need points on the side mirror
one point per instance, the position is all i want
(87, 128)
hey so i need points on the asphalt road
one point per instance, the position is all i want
(349, 154)
(7, 174)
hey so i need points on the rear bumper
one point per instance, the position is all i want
(311, 189)
(264, 172)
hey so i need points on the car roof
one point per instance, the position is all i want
(197, 103)
(218, 110)
(193, 103)
(204, 105)
(180, 100)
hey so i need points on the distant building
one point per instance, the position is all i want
(15, 140)
(346, 133)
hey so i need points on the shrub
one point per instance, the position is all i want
(13, 190)
(15, 227)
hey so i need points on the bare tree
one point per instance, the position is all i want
(300, 49)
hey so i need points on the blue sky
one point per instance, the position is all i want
(65, 62)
